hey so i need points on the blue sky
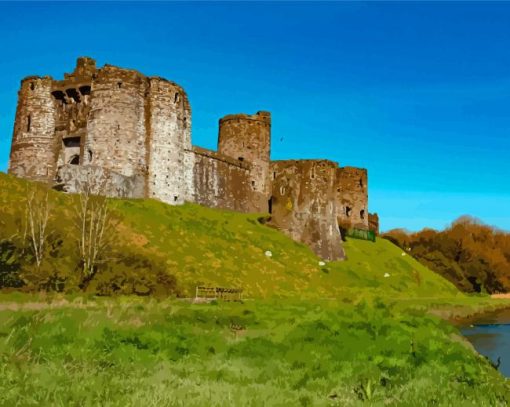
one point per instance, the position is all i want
(418, 93)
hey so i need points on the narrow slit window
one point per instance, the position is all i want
(29, 123)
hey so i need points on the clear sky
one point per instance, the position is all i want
(418, 93)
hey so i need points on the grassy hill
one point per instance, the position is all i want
(356, 332)
(200, 245)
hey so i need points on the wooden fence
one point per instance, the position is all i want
(218, 293)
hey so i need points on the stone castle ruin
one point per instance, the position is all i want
(132, 134)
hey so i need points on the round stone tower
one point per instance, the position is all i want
(116, 125)
(169, 157)
(33, 145)
(248, 138)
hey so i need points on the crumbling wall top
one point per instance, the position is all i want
(261, 116)
(353, 170)
(35, 78)
(85, 68)
(305, 162)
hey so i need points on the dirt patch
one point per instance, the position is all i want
(504, 295)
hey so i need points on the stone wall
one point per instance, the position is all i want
(101, 181)
(223, 182)
(303, 204)
(352, 197)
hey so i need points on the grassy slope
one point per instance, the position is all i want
(372, 343)
(206, 246)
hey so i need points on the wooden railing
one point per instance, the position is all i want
(218, 293)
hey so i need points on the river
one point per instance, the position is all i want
(490, 335)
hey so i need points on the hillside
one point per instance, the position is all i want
(198, 245)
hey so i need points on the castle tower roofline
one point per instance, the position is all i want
(262, 116)
(353, 169)
(35, 77)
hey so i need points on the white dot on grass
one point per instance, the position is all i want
(268, 253)
(386, 275)
(321, 263)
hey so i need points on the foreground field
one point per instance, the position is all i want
(132, 352)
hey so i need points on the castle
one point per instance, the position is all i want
(132, 134)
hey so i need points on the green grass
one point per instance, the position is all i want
(130, 352)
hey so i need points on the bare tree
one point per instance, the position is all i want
(95, 224)
(36, 224)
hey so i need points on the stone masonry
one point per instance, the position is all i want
(129, 135)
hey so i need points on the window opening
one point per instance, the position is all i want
(75, 160)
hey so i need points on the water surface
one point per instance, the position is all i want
(490, 335)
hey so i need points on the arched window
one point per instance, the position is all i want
(75, 160)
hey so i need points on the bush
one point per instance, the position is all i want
(133, 274)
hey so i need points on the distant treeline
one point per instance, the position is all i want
(472, 255)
